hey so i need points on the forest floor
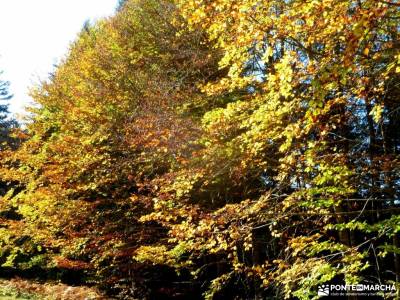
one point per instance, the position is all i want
(20, 289)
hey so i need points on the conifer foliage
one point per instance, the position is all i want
(6, 123)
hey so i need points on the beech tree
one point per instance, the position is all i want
(224, 149)
(298, 171)
(115, 115)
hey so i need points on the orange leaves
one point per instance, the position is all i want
(65, 263)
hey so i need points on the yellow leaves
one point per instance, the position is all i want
(309, 22)
(268, 54)
(376, 113)
(247, 244)
(197, 16)
(161, 255)
(397, 63)
(153, 254)
(298, 245)
(284, 69)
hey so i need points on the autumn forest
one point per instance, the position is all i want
(211, 149)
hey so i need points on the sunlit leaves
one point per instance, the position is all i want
(242, 141)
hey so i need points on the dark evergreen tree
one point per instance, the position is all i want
(120, 4)
(6, 122)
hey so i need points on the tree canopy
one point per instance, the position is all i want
(224, 149)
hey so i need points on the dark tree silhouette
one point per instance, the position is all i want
(6, 122)
(120, 4)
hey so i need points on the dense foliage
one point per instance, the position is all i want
(228, 149)
(7, 126)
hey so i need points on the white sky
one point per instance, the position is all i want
(35, 34)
